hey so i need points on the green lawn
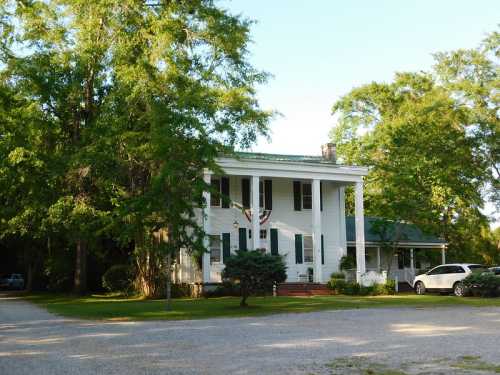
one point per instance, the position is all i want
(116, 308)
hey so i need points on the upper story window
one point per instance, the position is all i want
(302, 195)
(220, 192)
(215, 198)
(306, 196)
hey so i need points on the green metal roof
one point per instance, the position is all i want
(280, 157)
(409, 232)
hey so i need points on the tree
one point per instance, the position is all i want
(431, 147)
(140, 98)
(254, 271)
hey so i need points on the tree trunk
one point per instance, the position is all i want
(169, 282)
(243, 302)
(80, 286)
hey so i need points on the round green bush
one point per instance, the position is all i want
(485, 284)
(117, 278)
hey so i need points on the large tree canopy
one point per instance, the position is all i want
(112, 111)
(431, 140)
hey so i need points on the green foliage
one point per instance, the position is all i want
(254, 271)
(484, 284)
(347, 262)
(59, 272)
(337, 285)
(337, 275)
(118, 278)
(340, 286)
(431, 142)
(390, 287)
(109, 114)
(181, 290)
(227, 289)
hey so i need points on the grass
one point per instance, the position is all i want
(112, 307)
(461, 365)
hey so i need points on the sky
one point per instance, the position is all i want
(318, 50)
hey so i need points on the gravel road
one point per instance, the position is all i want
(34, 342)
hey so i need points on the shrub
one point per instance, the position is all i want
(337, 275)
(347, 262)
(390, 287)
(352, 289)
(180, 290)
(485, 284)
(254, 271)
(337, 285)
(226, 289)
(118, 278)
(340, 286)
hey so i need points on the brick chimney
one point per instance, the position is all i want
(329, 152)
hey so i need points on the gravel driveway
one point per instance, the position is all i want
(33, 341)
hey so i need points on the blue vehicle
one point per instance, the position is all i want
(14, 281)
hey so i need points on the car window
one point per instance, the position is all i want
(477, 268)
(455, 269)
(437, 271)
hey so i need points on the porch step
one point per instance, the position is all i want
(302, 289)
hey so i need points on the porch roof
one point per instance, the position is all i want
(410, 233)
(290, 166)
(283, 157)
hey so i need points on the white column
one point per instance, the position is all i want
(342, 229)
(255, 213)
(316, 227)
(207, 229)
(378, 259)
(443, 255)
(412, 261)
(360, 230)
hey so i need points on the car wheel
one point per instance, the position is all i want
(459, 289)
(420, 288)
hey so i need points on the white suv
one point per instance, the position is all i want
(446, 278)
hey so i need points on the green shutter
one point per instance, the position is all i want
(268, 194)
(224, 187)
(226, 246)
(242, 239)
(297, 197)
(322, 250)
(274, 241)
(298, 248)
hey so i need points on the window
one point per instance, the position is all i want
(477, 268)
(457, 269)
(263, 234)
(215, 200)
(215, 249)
(308, 249)
(306, 196)
(437, 271)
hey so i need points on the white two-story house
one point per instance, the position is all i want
(289, 205)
